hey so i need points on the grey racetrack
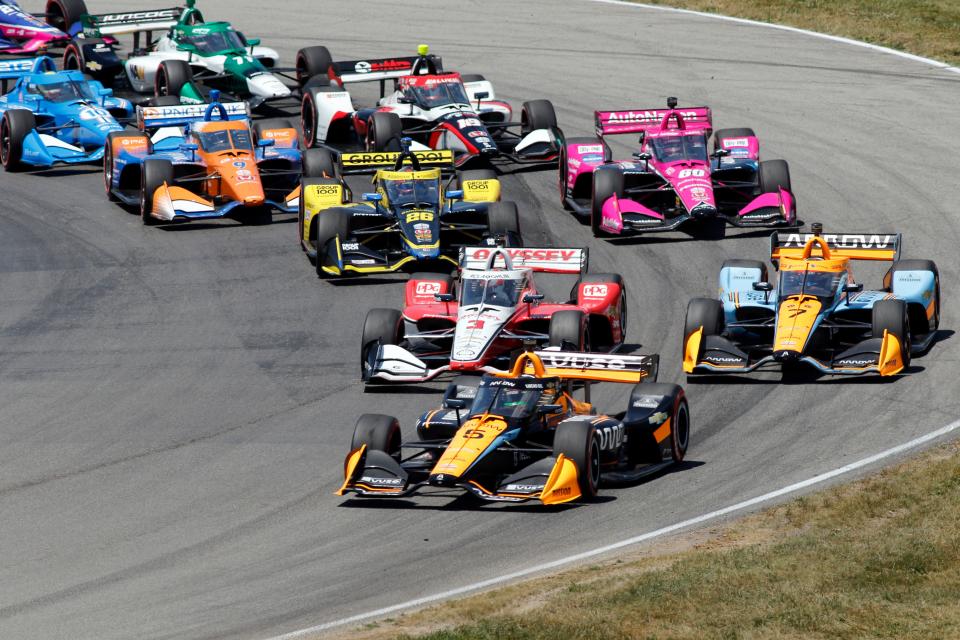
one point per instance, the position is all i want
(175, 405)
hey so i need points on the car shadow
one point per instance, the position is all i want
(466, 502)
(72, 170)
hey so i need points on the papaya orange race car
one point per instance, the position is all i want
(520, 435)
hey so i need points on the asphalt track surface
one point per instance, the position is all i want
(175, 404)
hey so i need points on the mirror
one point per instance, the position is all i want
(481, 95)
(443, 297)
(372, 197)
(456, 403)
(454, 194)
(766, 287)
(253, 42)
(548, 409)
(105, 93)
(721, 153)
(189, 146)
(406, 100)
(533, 297)
(266, 142)
(186, 46)
(852, 288)
(643, 156)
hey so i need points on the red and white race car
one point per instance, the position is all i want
(497, 307)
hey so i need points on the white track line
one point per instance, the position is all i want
(547, 566)
(713, 515)
(816, 34)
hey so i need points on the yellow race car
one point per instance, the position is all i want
(415, 213)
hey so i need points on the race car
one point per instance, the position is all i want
(413, 215)
(671, 180)
(195, 162)
(23, 33)
(498, 309)
(817, 315)
(54, 117)
(438, 110)
(521, 435)
(192, 58)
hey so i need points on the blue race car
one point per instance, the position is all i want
(51, 117)
(201, 161)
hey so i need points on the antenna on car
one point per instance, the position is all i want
(671, 103)
(817, 228)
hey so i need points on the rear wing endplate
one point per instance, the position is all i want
(370, 70)
(369, 161)
(129, 22)
(642, 120)
(542, 259)
(179, 115)
(854, 246)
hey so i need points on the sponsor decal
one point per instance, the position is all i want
(844, 240)
(625, 117)
(611, 437)
(466, 123)
(691, 173)
(562, 491)
(427, 288)
(851, 362)
(735, 142)
(476, 134)
(352, 159)
(22, 65)
(595, 290)
(581, 361)
(658, 418)
(362, 261)
(382, 482)
(422, 232)
(647, 402)
(245, 175)
(93, 65)
(364, 66)
(350, 246)
(589, 148)
(531, 254)
(138, 16)
(523, 488)
(723, 359)
(325, 189)
(240, 164)
(698, 193)
(477, 185)
(331, 95)
(481, 139)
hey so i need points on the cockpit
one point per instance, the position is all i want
(822, 284)
(65, 91)
(429, 93)
(513, 398)
(491, 289)
(412, 191)
(213, 40)
(225, 140)
(674, 148)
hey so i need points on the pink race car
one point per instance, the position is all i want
(672, 180)
(22, 33)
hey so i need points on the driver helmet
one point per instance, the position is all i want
(498, 292)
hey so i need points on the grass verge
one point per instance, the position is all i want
(878, 558)
(929, 28)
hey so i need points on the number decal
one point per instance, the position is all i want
(419, 216)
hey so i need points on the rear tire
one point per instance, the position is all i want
(774, 175)
(891, 316)
(330, 224)
(313, 61)
(578, 441)
(503, 219)
(680, 428)
(164, 101)
(62, 14)
(172, 76)
(14, 128)
(379, 433)
(606, 183)
(384, 130)
(319, 163)
(731, 133)
(537, 114)
(569, 327)
(153, 175)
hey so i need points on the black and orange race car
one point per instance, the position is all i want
(521, 435)
(818, 315)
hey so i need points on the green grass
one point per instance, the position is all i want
(928, 28)
(879, 558)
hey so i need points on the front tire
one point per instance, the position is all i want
(318, 163)
(172, 76)
(330, 224)
(384, 130)
(537, 114)
(153, 176)
(578, 441)
(606, 183)
(62, 14)
(568, 329)
(313, 61)
(14, 128)
(503, 219)
(381, 325)
(774, 175)
(379, 432)
(891, 316)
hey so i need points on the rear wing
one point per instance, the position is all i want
(593, 367)
(854, 246)
(642, 120)
(15, 68)
(182, 114)
(544, 259)
(370, 70)
(369, 161)
(111, 24)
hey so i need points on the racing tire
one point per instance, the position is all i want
(15, 126)
(680, 428)
(569, 327)
(774, 175)
(311, 62)
(172, 76)
(720, 134)
(475, 174)
(73, 58)
(261, 126)
(108, 160)
(503, 219)
(62, 14)
(537, 114)
(154, 173)
(578, 441)
(892, 316)
(931, 324)
(384, 130)
(472, 77)
(330, 224)
(562, 165)
(318, 163)
(706, 313)
(741, 263)
(379, 433)
(164, 101)
(380, 325)
(606, 278)
(606, 182)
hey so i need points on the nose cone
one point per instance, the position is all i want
(443, 480)
(786, 356)
(703, 211)
(240, 181)
(267, 85)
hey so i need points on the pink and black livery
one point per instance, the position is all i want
(671, 180)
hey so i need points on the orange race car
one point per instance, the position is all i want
(520, 435)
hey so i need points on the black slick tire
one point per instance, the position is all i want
(379, 432)
(154, 174)
(578, 441)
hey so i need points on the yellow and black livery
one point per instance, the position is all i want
(419, 210)
(521, 435)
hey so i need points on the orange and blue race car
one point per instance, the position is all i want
(521, 435)
(818, 314)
